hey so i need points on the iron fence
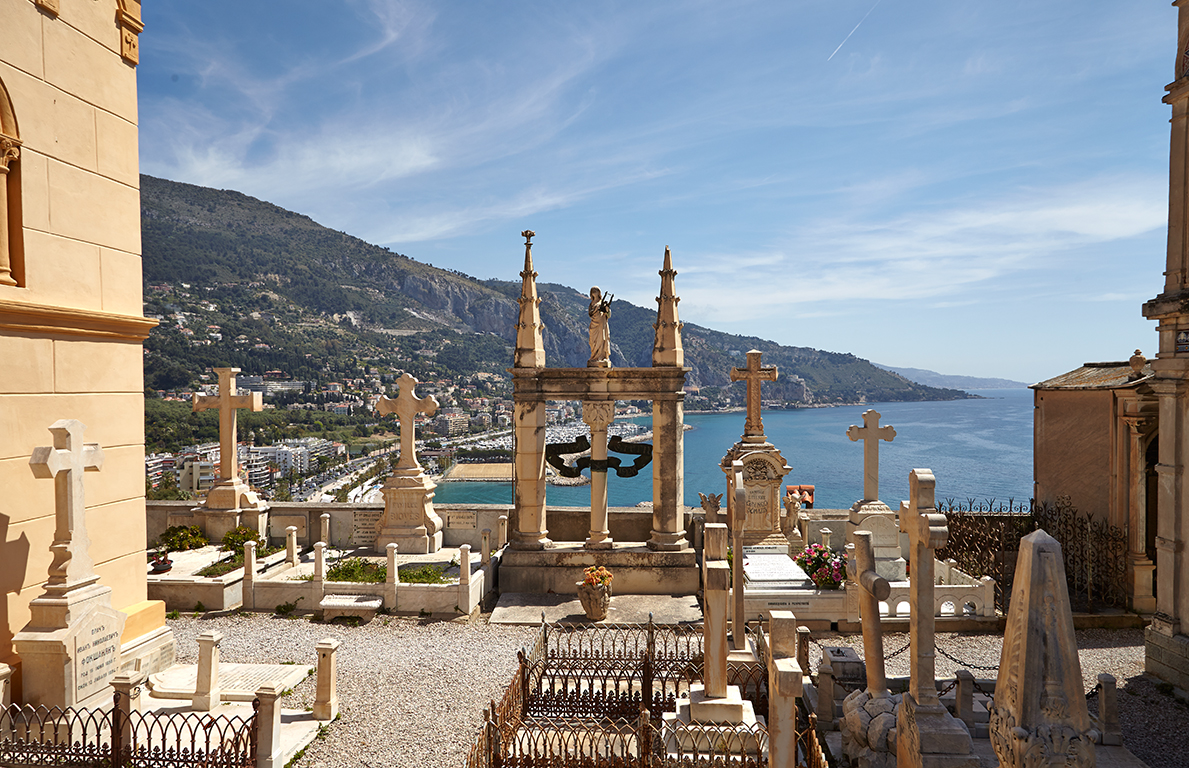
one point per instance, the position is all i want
(83, 738)
(984, 539)
(596, 697)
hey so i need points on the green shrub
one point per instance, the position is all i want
(179, 538)
(173, 615)
(423, 574)
(234, 540)
(359, 570)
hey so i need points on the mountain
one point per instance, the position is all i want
(935, 379)
(239, 281)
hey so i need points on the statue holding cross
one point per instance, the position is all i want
(230, 495)
(409, 518)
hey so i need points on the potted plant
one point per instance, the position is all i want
(161, 562)
(827, 569)
(595, 592)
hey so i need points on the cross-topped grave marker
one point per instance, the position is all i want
(753, 374)
(406, 405)
(871, 433)
(65, 462)
(228, 404)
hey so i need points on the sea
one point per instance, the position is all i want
(978, 449)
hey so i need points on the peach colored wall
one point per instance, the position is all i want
(1074, 433)
(70, 334)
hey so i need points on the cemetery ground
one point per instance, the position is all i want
(411, 691)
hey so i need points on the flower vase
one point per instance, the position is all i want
(596, 599)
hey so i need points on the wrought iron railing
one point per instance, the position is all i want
(984, 540)
(83, 738)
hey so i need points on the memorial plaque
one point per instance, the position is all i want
(278, 524)
(96, 652)
(367, 523)
(462, 519)
(773, 568)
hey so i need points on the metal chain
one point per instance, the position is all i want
(962, 663)
(1093, 691)
(948, 688)
(894, 654)
(981, 690)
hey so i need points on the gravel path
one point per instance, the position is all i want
(411, 691)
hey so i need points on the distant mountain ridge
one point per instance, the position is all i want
(935, 379)
(324, 293)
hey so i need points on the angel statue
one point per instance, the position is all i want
(600, 332)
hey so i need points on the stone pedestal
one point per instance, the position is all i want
(230, 504)
(880, 520)
(764, 469)
(70, 649)
(928, 736)
(409, 519)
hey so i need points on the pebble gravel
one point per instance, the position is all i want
(411, 691)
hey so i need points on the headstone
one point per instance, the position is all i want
(409, 517)
(70, 649)
(869, 513)
(230, 502)
(1040, 715)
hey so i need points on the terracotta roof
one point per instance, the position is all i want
(1115, 375)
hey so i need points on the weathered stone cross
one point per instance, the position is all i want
(927, 530)
(871, 433)
(65, 462)
(406, 405)
(228, 403)
(753, 374)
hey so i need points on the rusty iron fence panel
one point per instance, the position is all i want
(984, 540)
(85, 738)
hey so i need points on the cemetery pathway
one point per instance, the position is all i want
(411, 691)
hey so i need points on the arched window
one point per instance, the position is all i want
(12, 255)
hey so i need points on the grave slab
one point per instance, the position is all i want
(238, 682)
(526, 608)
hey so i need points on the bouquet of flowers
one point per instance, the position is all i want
(597, 575)
(827, 569)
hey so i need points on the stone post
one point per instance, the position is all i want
(325, 530)
(268, 719)
(320, 561)
(502, 541)
(668, 475)
(715, 630)
(291, 545)
(872, 589)
(249, 586)
(393, 578)
(803, 647)
(738, 620)
(128, 685)
(825, 696)
(6, 724)
(464, 578)
(529, 466)
(326, 700)
(714, 546)
(785, 685)
(206, 692)
(598, 415)
(1108, 710)
(964, 698)
(485, 549)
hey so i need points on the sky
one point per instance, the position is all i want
(973, 188)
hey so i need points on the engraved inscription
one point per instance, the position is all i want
(462, 519)
(96, 654)
(367, 523)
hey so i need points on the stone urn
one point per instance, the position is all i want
(596, 599)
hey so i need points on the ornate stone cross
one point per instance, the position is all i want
(871, 433)
(753, 374)
(927, 530)
(228, 403)
(65, 462)
(406, 405)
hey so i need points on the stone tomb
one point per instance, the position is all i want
(774, 582)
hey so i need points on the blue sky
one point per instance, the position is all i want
(969, 187)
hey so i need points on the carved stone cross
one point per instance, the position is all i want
(753, 374)
(228, 404)
(928, 532)
(65, 462)
(406, 405)
(871, 433)
(872, 589)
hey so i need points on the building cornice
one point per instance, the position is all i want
(64, 321)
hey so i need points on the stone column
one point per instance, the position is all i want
(668, 476)
(326, 700)
(206, 692)
(268, 719)
(529, 464)
(325, 530)
(1139, 567)
(1168, 619)
(9, 152)
(738, 620)
(291, 545)
(485, 549)
(393, 578)
(249, 595)
(598, 415)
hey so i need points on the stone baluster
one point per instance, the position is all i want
(268, 724)
(464, 578)
(249, 586)
(503, 532)
(206, 691)
(325, 530)
(485, 548)
(291, 545)
(326, 700)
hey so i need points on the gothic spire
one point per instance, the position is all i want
(530, 350)
(666, 350)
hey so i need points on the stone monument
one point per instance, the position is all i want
(600, 329)
(598, 415)
(763, 466)
(869, 513)
(409, 519)
(1040, 715)
(230, 503)
(70, 649)
(927, 734)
